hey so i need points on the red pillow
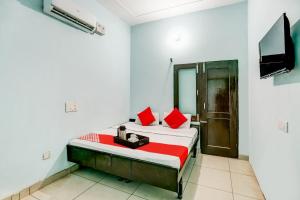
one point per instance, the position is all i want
(175, 119)
(146, 117)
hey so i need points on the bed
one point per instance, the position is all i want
(153, 167)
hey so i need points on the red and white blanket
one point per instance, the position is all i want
(167, 146)
(168, 149)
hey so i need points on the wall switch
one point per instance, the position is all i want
(283, 126)
(71, 106)
(46, 155)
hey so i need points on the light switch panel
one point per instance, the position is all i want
(71, 106)
(46, 155)
(283, 126)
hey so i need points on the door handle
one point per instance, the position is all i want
(203, 122)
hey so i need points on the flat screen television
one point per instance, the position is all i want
(277, 49)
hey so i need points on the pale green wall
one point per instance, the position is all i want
(216, 34)
(274, 154)
(43, 63)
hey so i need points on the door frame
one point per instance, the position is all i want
(201, 99)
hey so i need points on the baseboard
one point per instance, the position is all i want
(241, 156)
(37, 186)
(244, 157)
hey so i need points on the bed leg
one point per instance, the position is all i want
(195, 152)
(180, 189)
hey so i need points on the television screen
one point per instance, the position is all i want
(273, 43)
(276, 49)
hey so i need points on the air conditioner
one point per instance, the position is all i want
(67, 11)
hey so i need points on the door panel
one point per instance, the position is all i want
(219, 96)
(187, 90)
(186, 85)
(221, 132)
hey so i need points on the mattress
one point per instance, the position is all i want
(159, 134)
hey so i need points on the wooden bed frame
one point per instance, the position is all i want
(132, 169)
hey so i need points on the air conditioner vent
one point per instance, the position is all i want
(73, 19)
(73, 14)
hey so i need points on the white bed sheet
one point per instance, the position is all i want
(183, 137)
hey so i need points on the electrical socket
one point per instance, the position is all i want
(71, 106)
(46, 155)
(283, 126)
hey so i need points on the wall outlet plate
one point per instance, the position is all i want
(283, 126)
(71, 106)
(46, 155)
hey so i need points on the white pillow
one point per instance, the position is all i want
(155, 123)
(186, 124)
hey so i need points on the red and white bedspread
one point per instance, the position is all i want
(167, 146)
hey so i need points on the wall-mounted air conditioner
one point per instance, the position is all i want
(69, 12)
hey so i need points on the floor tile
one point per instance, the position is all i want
(102, 192)
(214, 162)
(154, 193)
(195, 192)
(240, 197)
(132, 197)
(246, 185)
(218, 179)
(198, 160)
(24, 193)
(66, 188)
(29, 198)
(43, 196)
(206, 177)
(114, 182)
(240, 166)
(187, 172)
(15, 197)
(184, 185)
(90, 174)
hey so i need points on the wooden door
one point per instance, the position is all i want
(219, 116)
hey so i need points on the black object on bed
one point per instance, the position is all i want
(133, 169)
(142, 140)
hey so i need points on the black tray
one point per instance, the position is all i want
(133, 145)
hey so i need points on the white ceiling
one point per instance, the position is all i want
(140, 11)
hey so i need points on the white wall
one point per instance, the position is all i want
(216, 34)
(43, 63)
(273, 154)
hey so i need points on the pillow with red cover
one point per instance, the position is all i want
(175, 119)
(146, 117)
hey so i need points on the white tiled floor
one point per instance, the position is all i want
(207, 178)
